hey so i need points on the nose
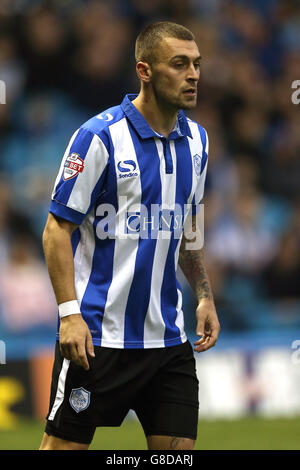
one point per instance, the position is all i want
(193, 73)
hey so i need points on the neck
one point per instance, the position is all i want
(160, 118)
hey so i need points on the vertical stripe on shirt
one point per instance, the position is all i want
(139, 295)
(154, 326)
(95, 294)
(168, 291)
(126, 246)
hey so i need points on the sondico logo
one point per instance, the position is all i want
(105, 117)
(127, 169)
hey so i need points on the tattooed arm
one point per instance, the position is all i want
(192, 265)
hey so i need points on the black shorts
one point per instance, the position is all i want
(159, 384)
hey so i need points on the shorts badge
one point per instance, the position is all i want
(79, 399)
(73, 165)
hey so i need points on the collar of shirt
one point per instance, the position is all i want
(181, 128)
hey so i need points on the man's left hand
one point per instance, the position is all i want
(208, 326)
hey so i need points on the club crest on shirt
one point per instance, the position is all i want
(79, 399)
(73, 165)
(197, 164)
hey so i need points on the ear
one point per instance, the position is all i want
(144, 72)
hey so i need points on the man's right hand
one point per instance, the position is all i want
(75, 340)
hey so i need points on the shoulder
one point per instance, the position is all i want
(99, 124)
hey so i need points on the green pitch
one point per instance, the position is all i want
(245, 434)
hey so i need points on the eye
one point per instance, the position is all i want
(197, 65)
(179, 65)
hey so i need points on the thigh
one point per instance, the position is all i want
(170, 443)
(56, 443)
(168, 405)
(82, 400)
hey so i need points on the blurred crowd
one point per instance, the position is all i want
(64, 61)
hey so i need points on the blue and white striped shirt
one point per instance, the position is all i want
(124, 186)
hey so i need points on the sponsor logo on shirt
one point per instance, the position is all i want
(157, 220)
(73, 165)
(127, 169)
(105, 116)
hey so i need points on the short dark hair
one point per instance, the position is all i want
(148, 40)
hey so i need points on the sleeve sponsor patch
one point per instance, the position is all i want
(73, 165)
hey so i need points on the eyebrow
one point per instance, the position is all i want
(185, 57)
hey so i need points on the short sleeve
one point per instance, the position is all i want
(199, 192)
(81, 176)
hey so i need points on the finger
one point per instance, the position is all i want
(203, 339)
(200, 341)
(211, 341)
(82, 357)
(89, 344)
(197, 345)
(214, 334)
(73, 353)
(200, 331)
(61, 349)
(200, 328)
(64, 350)
(201, 347)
